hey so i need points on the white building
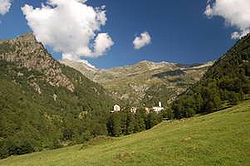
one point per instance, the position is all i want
(117, 108)
(147, 110)
(158, 109)
(133, 110)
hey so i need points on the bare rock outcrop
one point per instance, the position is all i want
(27, 52)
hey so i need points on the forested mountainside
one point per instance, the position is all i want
(43, 103)
(224, 84)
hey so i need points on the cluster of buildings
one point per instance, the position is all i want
(156, 109)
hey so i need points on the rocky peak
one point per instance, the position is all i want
(27, 37)
(26, 52)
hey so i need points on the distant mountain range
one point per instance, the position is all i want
(145, 83)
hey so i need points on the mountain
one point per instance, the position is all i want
(145, 82)
(43, 103)
(84, 67)
(226, 83)
(220, 138)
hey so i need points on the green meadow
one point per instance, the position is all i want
(220, 138)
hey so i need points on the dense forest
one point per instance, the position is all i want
(31, 122)
(126, 122)
(226, 83)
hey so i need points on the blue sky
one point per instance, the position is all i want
(180, 31)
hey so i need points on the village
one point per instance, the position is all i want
(156, 109)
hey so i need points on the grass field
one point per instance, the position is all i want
(221, 138)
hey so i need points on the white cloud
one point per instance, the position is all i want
(4, 6)
(142, 40)
(102, 43)
(71, 27)
(235, 12)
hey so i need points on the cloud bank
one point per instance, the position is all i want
(142, 40)
(71, 27)
(235, 12)
(4, 6)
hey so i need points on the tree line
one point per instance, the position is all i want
(125, 122)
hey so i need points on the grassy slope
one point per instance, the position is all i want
(221, 138)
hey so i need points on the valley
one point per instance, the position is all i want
(124, 83)
(46, 104)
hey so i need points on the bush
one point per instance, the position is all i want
(15, 146)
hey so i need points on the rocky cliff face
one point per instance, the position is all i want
(27, 52)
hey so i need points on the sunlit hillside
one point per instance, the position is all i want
(221, 138)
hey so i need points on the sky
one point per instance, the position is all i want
(110, 33)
